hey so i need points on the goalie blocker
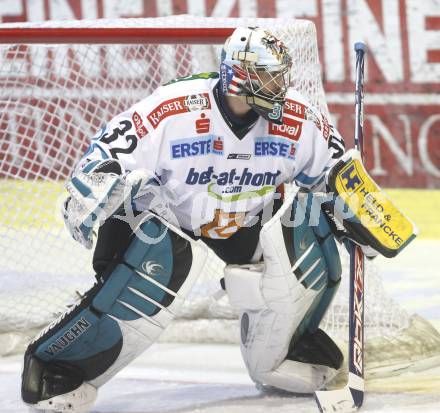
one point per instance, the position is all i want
(136, 297)
(360, 210)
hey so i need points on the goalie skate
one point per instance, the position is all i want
(79, 400)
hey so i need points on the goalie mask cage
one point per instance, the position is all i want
(59, 83)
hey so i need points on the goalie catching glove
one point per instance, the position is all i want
(97, 191)
(361, 211)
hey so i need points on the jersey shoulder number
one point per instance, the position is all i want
(118, 139)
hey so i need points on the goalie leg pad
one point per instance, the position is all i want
(300, 276)
(119, 318)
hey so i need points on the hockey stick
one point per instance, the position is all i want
(350, 397)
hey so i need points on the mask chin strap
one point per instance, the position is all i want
(271, 111)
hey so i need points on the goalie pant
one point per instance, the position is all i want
(134, 300)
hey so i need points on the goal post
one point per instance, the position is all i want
(111, 35)
(60, 82)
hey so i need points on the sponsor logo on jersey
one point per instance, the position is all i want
(290, 128)
(218, 145)
(240, 156)
(196, 102)
(202, 124)
(196, 146)
(140, 128)
(165, 109)
(232, 177)
(293, 108)
(235, 189)
(299, 110)
(77, 329)
(325, 127)
(178, 105)
(232, 185)
(271, 146)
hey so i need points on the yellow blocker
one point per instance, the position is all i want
(366, 211)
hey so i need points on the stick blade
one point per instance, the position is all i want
(336, 401)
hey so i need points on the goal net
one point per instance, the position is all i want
(59, 83)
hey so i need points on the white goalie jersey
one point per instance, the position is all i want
(214, 182)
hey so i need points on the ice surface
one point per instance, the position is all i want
(211, 378)
(413, 278)
(208, 379)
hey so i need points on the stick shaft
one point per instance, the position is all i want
(351, 397)
(357, 260)
(359, 98)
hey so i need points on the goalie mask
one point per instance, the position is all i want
(255, 66)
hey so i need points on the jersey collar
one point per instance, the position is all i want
(240, 126)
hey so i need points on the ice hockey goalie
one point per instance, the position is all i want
(200, 164)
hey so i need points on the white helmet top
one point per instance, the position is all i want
(255, 65)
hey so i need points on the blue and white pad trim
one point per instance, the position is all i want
(300, 276)
(314, 255)
(124, 313)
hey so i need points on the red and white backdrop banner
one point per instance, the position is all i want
(402, 122)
